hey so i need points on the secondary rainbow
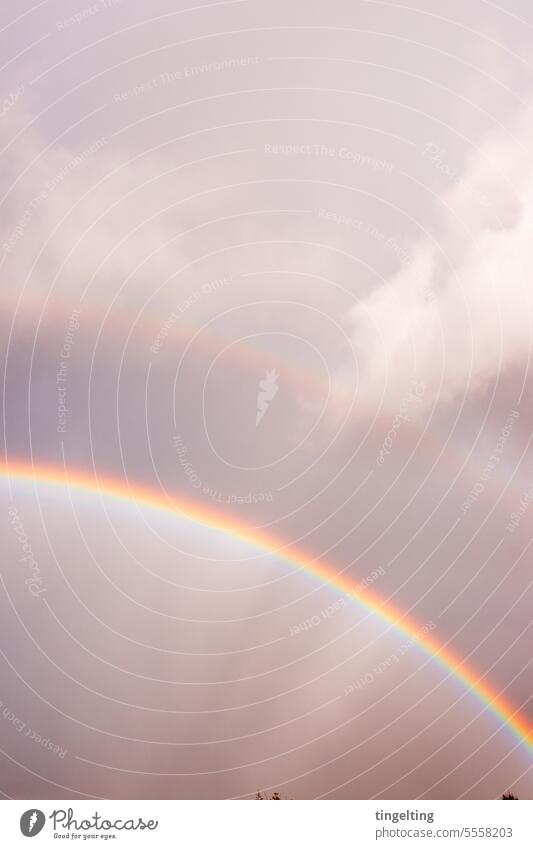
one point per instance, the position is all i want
(371, 601)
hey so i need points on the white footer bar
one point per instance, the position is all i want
(254, 825)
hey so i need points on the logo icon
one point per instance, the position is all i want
(268, 388)
(32, 822)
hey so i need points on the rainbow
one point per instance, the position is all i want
(370, 601)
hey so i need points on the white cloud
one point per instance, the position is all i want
(460, 313)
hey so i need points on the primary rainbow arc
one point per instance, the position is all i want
(371, 601)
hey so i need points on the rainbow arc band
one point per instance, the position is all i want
(124, 491)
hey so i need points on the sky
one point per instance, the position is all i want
(267, 266)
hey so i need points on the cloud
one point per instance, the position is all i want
(459, 314)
